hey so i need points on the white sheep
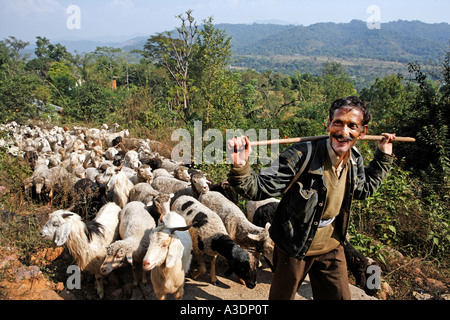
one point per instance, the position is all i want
(161, 172)
(110, 153)
(121, 189)
(143, 174)
(41, 169)
(93, 157)
(210, 237)
(111, 136)
(169, 257)
(238, 226)
(86, 242)
(169, 165)
(169, 184)
(142, 192)
(92, 173)
(198, 185)
(134, 229)
(129, 172)
(182, 173)
(109, 172)
(132, 160)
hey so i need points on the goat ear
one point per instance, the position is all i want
(62, 233)
(254, 237)
(129, 256)
(175, 252)
(267, 226)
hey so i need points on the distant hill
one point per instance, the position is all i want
(86, 46)
(401, 41)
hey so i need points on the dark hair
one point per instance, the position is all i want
(350, 103)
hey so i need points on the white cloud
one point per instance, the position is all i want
(34, 7)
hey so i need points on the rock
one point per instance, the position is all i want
(67, 295)
(393, 254)
(6, 261)
(422, 296)
(3, 190)
(59, 286)
(435, 285)
(48, 295)
(385, 291)
(26, 272)
(445, 296)
(46, 256)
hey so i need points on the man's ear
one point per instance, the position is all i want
(328, 125)
(364, 130)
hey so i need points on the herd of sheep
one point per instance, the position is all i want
(131, 204)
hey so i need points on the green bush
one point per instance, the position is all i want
(398, 215)
(16, 99)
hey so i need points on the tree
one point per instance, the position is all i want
(90, 102)
(47, 53)
(337, 82)
(389, 101)
(17, 98)
(11, 57)
(107, 58)
(175, 55)
(216, 88)
(61, 80)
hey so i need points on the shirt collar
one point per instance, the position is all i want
(335, 159)
(333, 156)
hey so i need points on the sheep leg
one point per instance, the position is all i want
(143, 284)
(201, 265)
(144, 281)
(145, 276)
(258, 258)
(178, 295)
(99, 286)
(160, 295)
(213, 270)
(135, 271)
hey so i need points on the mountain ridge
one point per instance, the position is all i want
(397, 40)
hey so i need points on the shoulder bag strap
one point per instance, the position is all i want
(305, 163)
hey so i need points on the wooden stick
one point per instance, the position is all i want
(314, 138)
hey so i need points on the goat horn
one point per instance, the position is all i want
(172, 230)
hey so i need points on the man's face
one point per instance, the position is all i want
(345, 129)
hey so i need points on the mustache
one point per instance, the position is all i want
(341, 137)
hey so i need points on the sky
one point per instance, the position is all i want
(118, 20)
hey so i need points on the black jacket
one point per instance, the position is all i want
(297, 217)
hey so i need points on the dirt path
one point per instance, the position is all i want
(231, 289)
(20, 282)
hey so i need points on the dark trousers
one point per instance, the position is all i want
(327, 273)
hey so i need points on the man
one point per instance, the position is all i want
(317, 182)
